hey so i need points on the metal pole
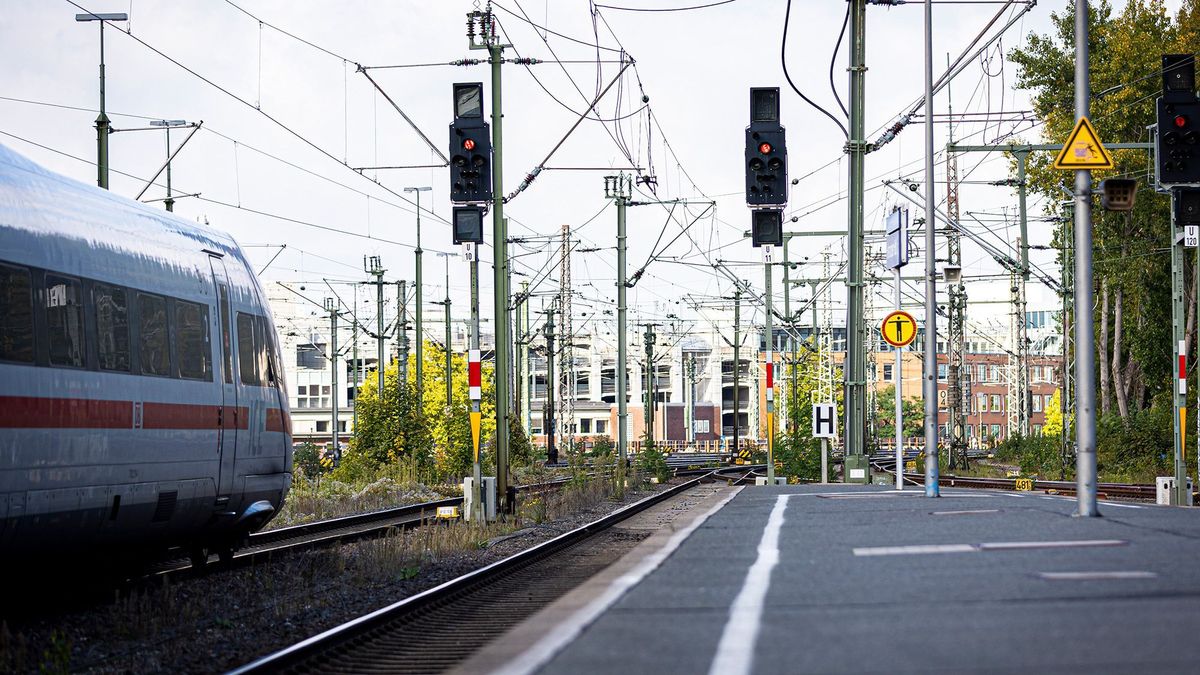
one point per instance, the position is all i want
(419, 329)
(333, 374)
(449, 350)
(790, 414)
(1022, 326)
(548, 425)
(648, 385)
(622, 197)
(523, 317)
(1179, 393)
(500, 273)
(855, 377)
(476, 468)
(929, 389)
(769, 364)
(169, 202)
(1085, 351)
(102, 126)
(737, 369)
(379, 328)
(898, 394)
(354, 356)
(402, 331)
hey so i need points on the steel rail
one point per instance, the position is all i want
(355, 629)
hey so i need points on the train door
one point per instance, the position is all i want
(230, 415)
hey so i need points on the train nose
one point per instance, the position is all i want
(255, 516)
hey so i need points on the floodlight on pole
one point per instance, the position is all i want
(102, 122)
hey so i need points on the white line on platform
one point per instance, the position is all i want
(1023, 545)
(920, 549)
(1124, 506)
(1093, 576)
(923, 549)
(961, 513)
(541, 652)
(735, 652)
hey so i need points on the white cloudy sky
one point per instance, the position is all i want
(695, 67)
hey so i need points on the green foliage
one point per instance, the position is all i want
(651, 462)
(602, 446)
(307, 458)
(885, 414)
(520, 451)
(1054, 420)
(1140, 448)
(1036, 455)
(1130, 250)
(799, 455)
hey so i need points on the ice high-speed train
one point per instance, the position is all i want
(142, 403)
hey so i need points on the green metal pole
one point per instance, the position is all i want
(354, 337)
(855, 400)
(449, 351)
(616, 188)
(500, 274)
(102, 126)
(402, 331)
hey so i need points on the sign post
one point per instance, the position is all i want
(824, 427)
(899, 329)
(897, 257)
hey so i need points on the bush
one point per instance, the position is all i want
(652, 463)
(799, 455)
(307, 457)
(1036, 455)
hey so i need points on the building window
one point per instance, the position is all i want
(1037, 430)
(982, 373)
(1037, 403)
(585, 426)
(322, 426)
(997, 403)
(994, 374)
(996, 431)
(942, 370)
(1048, 397)
(1049, 372)
(601, 426)
(310, 356)
(887, 372)
(980, 403)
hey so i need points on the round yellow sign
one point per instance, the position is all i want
(898, 329)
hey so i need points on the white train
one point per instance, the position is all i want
(142, 403)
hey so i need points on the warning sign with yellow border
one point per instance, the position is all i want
(1083, 149)
(898, 329)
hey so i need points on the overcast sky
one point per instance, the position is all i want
(694, 66)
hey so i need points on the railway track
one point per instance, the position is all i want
(435, 629)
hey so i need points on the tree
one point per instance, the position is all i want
(1130, 249)
(885, 414)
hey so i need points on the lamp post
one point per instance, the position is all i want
(417, 330)
(102, 127)
(169, 202)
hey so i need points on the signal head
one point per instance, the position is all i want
(469, 144)
(764, 148)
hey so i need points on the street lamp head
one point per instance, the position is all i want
(93, 16)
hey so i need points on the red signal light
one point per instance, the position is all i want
(764, 148)
(1181, 121)
(469, 144)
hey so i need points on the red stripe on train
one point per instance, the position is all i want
(32, 412)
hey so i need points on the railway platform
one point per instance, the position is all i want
(865, 579)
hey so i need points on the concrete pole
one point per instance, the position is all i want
(1022, 325)
(1085, 349)
(379, 328)
(769, 363)
(855, 377)
(1179, 392)
(790, 419)
(548, 424)
(648, 385)
(898, 394)
(354, 357)
(929, 389)
(523, 317)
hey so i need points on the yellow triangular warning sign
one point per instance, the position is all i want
(1083, 149)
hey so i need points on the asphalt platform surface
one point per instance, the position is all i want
(869, 580)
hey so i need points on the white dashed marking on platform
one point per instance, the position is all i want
(1094, 576)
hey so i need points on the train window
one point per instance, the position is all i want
(112, 326)
(154, 345)
(267, 351)
(64, 320)
(226, 342)
(192, 346)
(16, 314)
(247, 363)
